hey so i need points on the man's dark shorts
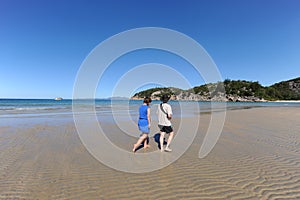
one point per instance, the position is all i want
(166, 129)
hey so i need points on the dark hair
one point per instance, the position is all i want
(147, 100)
(165, 98)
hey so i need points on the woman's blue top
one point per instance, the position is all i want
(143, 118)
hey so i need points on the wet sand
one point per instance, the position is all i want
(256, 157)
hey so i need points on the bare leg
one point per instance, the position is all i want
(161, 141)
(146, 143)
(139, 142)
(170, 139)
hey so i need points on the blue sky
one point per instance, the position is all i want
(43, 43)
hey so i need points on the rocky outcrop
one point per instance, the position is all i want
(189, 96)
(294, 85)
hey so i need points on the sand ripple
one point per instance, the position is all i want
(257, 157)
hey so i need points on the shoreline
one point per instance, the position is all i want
(227, 101)
(287, 101)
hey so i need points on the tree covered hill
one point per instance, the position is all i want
(230, 90)
(289, 90)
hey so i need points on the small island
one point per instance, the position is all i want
(58, 99)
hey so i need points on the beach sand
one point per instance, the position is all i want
(256, 157)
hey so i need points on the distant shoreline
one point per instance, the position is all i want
(265, 101)
(140, 99)
(287, 101)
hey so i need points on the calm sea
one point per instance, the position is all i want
(12, 109)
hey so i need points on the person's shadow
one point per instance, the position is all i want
(156, 139)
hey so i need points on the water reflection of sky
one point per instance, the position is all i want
(107, 111)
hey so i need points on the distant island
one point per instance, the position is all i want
(229, 90)
(58, 98)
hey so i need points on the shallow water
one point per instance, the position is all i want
(16, 111)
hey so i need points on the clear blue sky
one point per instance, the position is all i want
(43, 43)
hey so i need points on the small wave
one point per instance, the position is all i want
(6, 108)
(36, 108)
(30, 108)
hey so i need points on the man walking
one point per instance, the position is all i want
(164, 113)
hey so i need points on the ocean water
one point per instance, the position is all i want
(13, 109)
(40, 106)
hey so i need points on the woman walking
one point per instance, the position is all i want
(144, 124)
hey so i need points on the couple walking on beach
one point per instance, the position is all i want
(164, 114)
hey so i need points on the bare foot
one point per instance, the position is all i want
(146, 146)
(134, 148)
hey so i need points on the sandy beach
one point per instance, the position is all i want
(256, 157)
